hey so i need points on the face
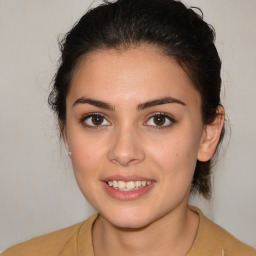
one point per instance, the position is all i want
(134, 129)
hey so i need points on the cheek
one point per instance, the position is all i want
(177, 155)
(87, 161)
(87, 154)
(176, 161)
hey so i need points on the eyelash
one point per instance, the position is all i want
(84, 118)
(168, 117)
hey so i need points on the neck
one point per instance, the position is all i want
(172, 234)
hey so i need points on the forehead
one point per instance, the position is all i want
(135, 73)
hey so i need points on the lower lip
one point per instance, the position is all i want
(127, 195)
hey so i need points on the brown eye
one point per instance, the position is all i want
(160, 121)
(95, 120)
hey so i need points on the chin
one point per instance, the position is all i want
(127, 219)
(126, 223)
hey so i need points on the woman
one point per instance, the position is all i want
(137, 96)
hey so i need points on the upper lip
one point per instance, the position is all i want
(125, 178)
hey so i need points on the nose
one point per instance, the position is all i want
(125, 147)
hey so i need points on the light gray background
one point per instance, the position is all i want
(38, 193)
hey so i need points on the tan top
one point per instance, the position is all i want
(211, 240)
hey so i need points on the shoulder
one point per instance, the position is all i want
(211, 238)
(230, 244)
(54, 243)
(49, 244)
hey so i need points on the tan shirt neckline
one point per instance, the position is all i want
(85, 246)
(197, 244)
(210, 239)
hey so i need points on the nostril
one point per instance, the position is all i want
(125, 147)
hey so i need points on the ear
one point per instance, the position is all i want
(64, 134)
(211, 136)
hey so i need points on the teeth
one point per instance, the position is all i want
(127, 186)
(121, 184)
(130, 185)
(138, 183)
(115, 185)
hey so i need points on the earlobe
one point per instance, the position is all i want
(211, 136)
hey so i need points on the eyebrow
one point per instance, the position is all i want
(142, 106)
(94, 102)
(161, 101)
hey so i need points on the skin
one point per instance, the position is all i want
(129, 142)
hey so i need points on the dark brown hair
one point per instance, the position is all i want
(169, 25)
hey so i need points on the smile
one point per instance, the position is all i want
(128, 186)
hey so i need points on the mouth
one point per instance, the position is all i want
(127, 188)
(129, 185)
